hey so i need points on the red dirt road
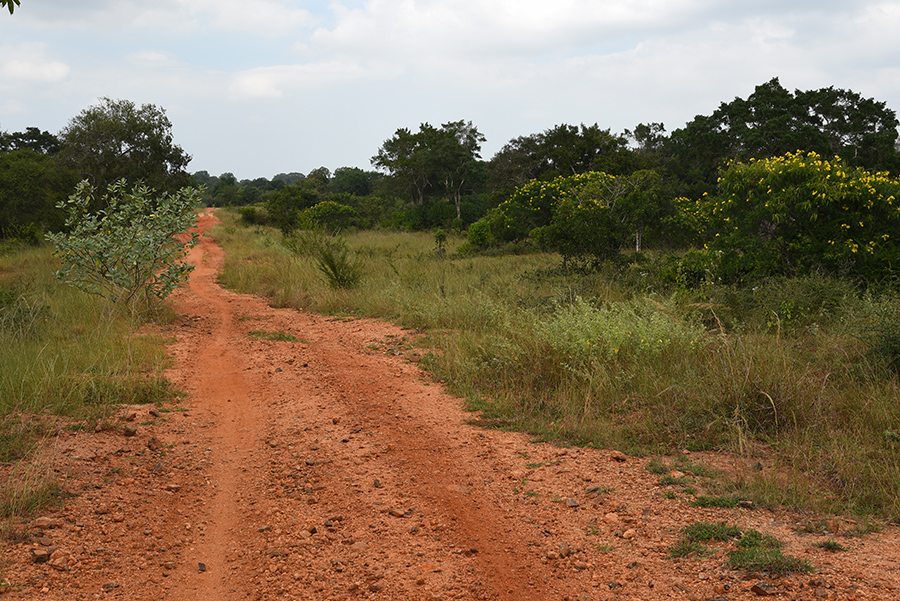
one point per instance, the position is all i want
(331, 467)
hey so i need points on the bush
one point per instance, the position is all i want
(479, 235)
(797, 213)
(129, 249)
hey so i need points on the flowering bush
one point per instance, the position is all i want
(799, 212)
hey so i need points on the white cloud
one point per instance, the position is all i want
(28, 63)
(278, 81)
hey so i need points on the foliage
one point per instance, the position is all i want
(773, 121)
(797, 213)
(116, 139)
(342, 268)
(129, 249)
(330, 215)
(563, 150)
(10, 4)
(31, 185)
(479, 235)
(443, 160)
(584, 217)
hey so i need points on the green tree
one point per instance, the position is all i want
(772, 121)
(116, 139)
(31, 185)
(562, 150)
(32, 138)
(433, 161)
(352, 180)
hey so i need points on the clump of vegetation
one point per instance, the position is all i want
(274, 336)
(755, 552)
(129, 250)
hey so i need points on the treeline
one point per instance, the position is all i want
(435, 177)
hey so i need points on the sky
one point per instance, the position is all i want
(260, 87)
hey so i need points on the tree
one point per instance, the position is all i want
(798, 213)
(773, 121)
(458, 151)
(32, 138)
(562, 150)
(432, 160)
(115, 139)
(10, 4)
(31, 185)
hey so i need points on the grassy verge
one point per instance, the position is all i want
(799, 372)
(62, 353)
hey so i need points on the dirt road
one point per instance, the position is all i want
(312, 459)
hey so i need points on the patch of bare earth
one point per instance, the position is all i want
(330, 467)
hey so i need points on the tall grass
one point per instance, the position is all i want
(62, 353)
(801, 370)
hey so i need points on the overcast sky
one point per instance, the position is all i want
(259, 87)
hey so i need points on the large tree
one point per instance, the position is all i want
(773, 121)
(433, 160)
(562, 150)
(31, 185)
(116, 139)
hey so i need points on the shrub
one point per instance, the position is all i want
(131, 247)
(796, 213)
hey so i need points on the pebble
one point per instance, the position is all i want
(130, 430)
(618, 456)
(763, 589)
(571, 502)
(611, 518)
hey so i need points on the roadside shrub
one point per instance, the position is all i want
(329, 215)
(129, 249)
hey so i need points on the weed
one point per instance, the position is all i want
(274, 336)
(762, 559)
(705, 532)
(657, 467)
(669, 494)
(831, 545)
(686, 547)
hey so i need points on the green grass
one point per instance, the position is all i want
(755, 552)
(273, 336)
(624, 358)
(63, 353)
(831, 545)
(712, 501)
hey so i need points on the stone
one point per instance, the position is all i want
(629, 534)
(618, 456)
(44, 522)
(763, 589)
(40, 555)
(155, 413)
(572, 503)
(611, 518)
(110, 586)
(129, 430)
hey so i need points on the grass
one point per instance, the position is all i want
(63, 353)
(831, 545)
(273, 336)
(754, 552)
(623, 358)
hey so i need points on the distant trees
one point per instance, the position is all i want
(116, 139)
(433, 161)
(559, 151)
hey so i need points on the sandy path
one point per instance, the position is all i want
(328, 466)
